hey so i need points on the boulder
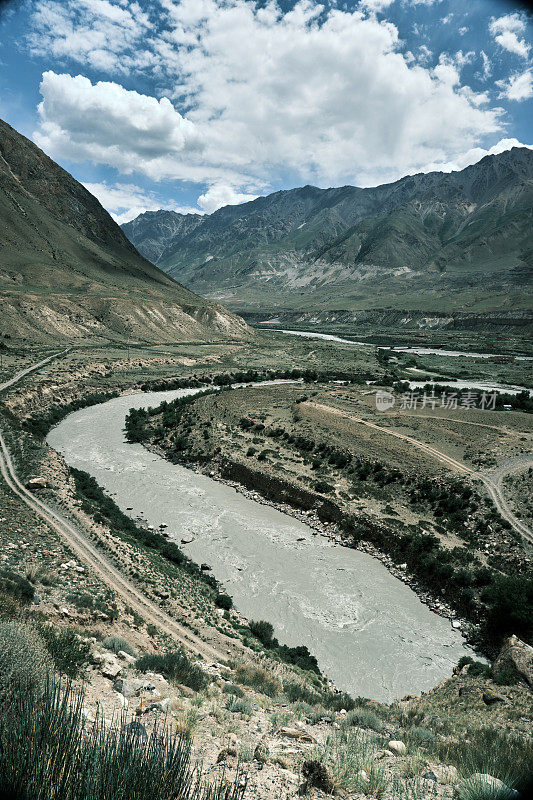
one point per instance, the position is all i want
(228, 753)
(111, 670)
(126, 657)
(294, 733)
(128, 687)
(396, 747)
(136, 729)
(36, 483)
(490, 697)
(483, 783)
(515, 655)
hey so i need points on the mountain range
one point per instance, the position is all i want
(68, 272)
(434, 242)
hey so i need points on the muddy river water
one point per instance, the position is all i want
(370, 632)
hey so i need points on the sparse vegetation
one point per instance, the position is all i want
(175, 666)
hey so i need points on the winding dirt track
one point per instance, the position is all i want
(494, 487)
(95, 560)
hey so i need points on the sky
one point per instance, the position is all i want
(190, 105)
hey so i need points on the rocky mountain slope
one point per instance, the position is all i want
(68, 272)
(436, 242)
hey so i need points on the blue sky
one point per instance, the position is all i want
(194, 104)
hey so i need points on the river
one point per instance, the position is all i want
(371, 634)
(420, 351)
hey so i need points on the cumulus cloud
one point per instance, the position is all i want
(222, 195)
(258, 94)
(474, 155)
(519, 86)
(506, 30)
(106, 123)
(125, 201)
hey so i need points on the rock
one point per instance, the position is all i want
(121, 700)
(126, 656)
(36, 483)
(36, 599)
(398, 748)
(444, 774)
(316, 775)
(294, 733)
(111, 670)
(161, 705)
(468, 690)
(483, 783)
(262, 752)
(225, 754)
(128, 687)
(456, 625)
(490, 697)
(515, 655)
(136, 729)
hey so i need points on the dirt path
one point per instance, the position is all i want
(19, 375)
(492, 484)
(95, 560)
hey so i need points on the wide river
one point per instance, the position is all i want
(369, 631)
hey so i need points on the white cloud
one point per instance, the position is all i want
(505, 31)
(474, 155)
(126, 201)
(375, 5)
(518, 87)
(260, 94)
(106, 123)
(486, 69)
(222, 195)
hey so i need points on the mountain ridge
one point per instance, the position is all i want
(297, 248)
(67, 270)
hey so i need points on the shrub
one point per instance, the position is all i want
(24, 660)
(363, 718)
(258, 678)
(224, 601)
(263, 631)
(506, 676)
(239, 706)
(68, 652)
(47, 751)
(117, 643)
(16, 585)
(507, 757)
(231, 688)
(176, 667)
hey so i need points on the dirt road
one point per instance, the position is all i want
(493, 483)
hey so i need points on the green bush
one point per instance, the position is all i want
(68, 652)
(176, 667)
(263, 631)
(48, 752)
(24, 659)
(231, 688)
(16, 585)
(224, 601)
(363, 718)
(258, 678)
(117, 643)
(239, 706)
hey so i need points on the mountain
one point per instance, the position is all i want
(435, 242)
(67, 271)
